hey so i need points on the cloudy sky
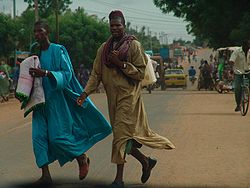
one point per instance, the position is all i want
(138, 12)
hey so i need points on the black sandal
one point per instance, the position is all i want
(146, 172)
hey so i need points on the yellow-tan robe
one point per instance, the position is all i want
(126, 109)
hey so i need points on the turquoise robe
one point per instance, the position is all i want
(62, 130)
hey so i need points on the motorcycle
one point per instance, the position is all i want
(192, 79)
(223, 87)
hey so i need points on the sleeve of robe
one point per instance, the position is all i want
(137, 62)
(95, 76)
(62, 77)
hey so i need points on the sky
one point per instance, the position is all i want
(138, 12)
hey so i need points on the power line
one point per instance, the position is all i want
(138, 11)
(140, 18)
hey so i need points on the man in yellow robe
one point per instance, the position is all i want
(120, 65)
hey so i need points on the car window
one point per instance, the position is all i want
(174, 71)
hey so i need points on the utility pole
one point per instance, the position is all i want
(15, 42)
(14, 9)
(151, 44)
(150, 38)
(57, 21)
(36, 10)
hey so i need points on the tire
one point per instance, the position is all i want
(244, 101)
(217, 87)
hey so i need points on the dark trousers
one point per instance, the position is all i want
(238, 79)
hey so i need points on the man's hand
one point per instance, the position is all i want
(113, 59)
(80, 100)
(36, 72)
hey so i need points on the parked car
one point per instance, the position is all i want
(175, 78)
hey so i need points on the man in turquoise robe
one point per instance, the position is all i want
(62, 130)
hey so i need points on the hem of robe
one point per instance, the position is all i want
(41, 161)
(86, 147)
(92, 142)
(144, 141)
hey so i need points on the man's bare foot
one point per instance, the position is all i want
(44, 180)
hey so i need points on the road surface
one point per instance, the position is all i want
(212, 145)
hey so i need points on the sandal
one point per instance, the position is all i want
(83, 167)
(146, 172)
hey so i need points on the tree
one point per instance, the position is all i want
(26, 24)
(148, 42)
(47, 7)
(82, 35)
(221, 23)
(7, 35)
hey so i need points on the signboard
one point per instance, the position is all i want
(164, 53)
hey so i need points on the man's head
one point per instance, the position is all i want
(117, 14)
(41, 31)
(116, 23)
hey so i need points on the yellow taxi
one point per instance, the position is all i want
(175, 78)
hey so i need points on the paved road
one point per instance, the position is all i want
(212, 145)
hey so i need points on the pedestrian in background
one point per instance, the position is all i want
(120, 65)
(221, 64)
(240, 59)
(206, 74)
(16, 71)
(83, 75)
(62, 130)
(4, 81)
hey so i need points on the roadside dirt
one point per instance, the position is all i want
(212, 144)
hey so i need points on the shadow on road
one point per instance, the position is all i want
(92, 184)
(209, 114)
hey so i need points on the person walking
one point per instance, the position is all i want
(221, 64)
(240, 59)
(62, 130)
(206, 75)
(4, 81)
(83, 75)
(120, 65)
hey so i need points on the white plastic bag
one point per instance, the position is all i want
(149, 77)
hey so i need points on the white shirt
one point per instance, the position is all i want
(241, 63)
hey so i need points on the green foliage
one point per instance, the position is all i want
(47, 7)
(81, 34)
(8, 31)
(148, 42)
(221, 23)
(25, 31)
